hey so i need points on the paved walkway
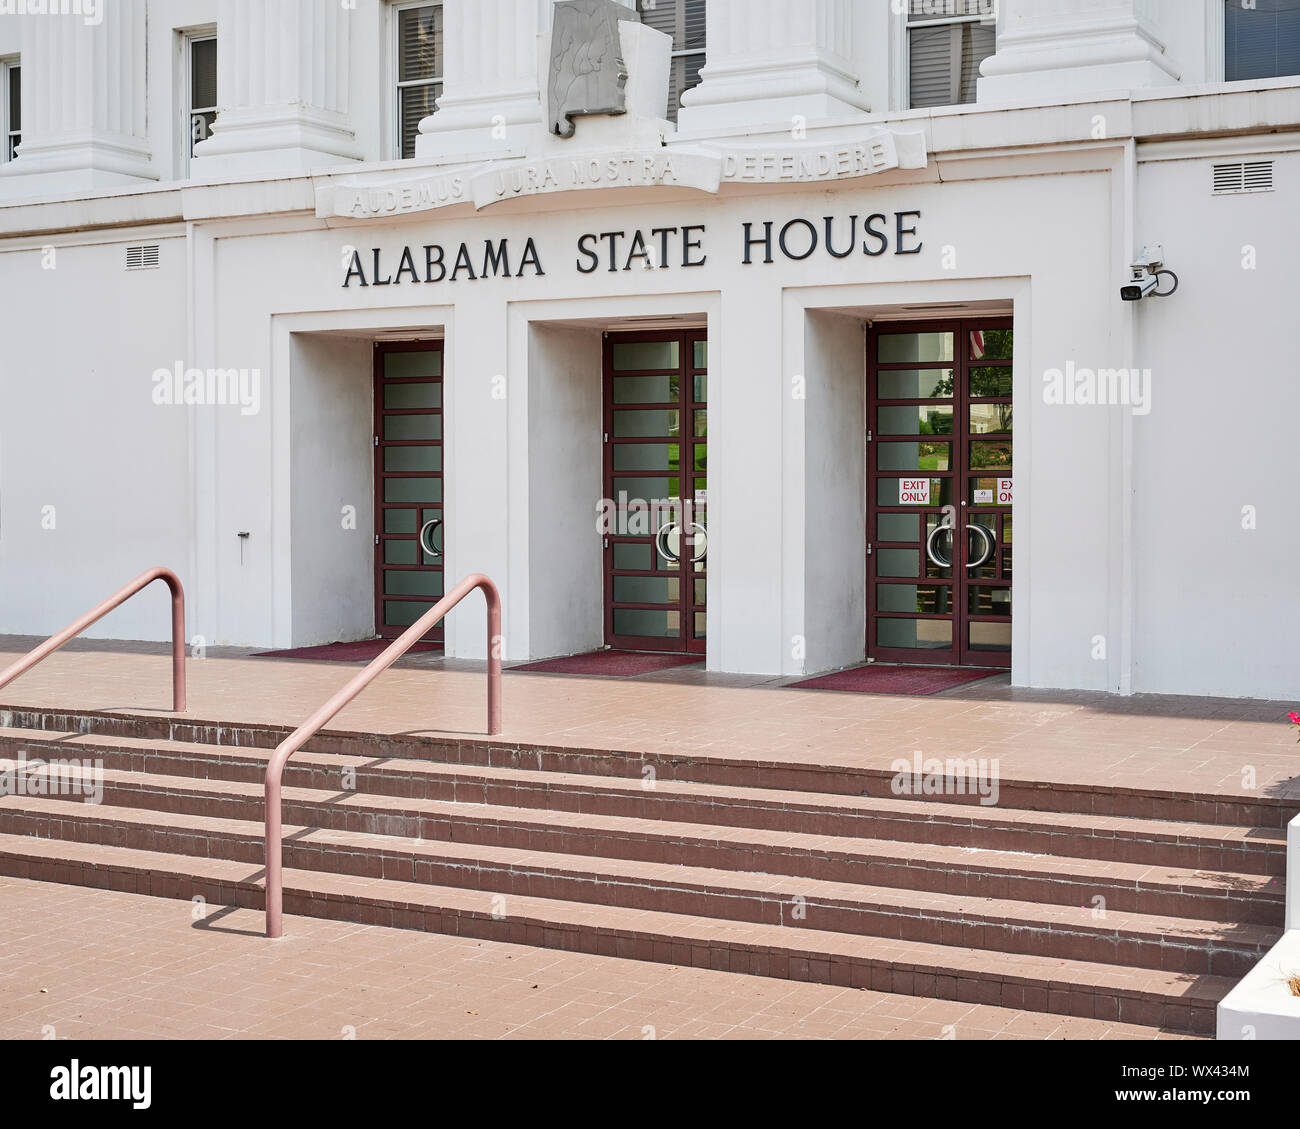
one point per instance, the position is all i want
(1228, 747)
(94, 964)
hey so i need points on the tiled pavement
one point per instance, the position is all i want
(1205, 745)
(95, 964)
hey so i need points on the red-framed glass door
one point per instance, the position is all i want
(656, 479)
(940, 492)
(409, 526)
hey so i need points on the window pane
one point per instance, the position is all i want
(419, 43)
(417, 102)
(899, 348)
(203, 74)
(640, 355)
(944, 62)
(15, 99)
(915, 384)
(1262, 40)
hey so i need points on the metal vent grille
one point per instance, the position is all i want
(144, 257)
(1243, 176)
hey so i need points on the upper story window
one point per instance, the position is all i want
(684, 21)
(201, 89)
(12, 106)
(418, 51)
(1261, 39)
(947, 40)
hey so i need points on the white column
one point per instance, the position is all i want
(772, 61)
(492, 89)
(1049, 49)
(282, 84)
(84, 122)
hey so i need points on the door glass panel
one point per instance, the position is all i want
(404, 613)
(889, 492)
(701, 425)
(401, 552)
(407, 460)
(991, 344)
(898, 563)
(927, 599)
(646, 456)
(990, 419)
(413, 490)
(413, 429)
(701, 389)
(416, 582)
(647, 389)
(637, 355)
(990, 601)
(913, 456)
(928, 419)
(632, 557)
(642, 424)
(413, 366)
(990, 456)
(701, 625)
(919, 634)
(648, 489)
(899, 348)
(915, 384)
(990, 383)
(701, 354)
(646, 590)
(412, 397)
(898, 527)
(401, 521)
(647, 622)
(990, 636)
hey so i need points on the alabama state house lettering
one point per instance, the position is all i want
(758, 243)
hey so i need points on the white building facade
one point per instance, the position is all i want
(805, 350)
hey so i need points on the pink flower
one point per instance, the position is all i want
(1295, 718)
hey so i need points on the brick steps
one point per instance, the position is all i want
(1141, 940)
(1209, 847)
(1180, 1001)
(917, 866)
(1093, 801)
(772, 869)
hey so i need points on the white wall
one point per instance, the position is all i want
(80, 433)
(332, 457)
(566, 575)
(1215, 606)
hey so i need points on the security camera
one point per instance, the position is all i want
(1145, 275)
(1141, 283)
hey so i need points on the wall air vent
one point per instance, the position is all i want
(144, 257)
(1243, 176)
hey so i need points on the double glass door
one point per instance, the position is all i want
(656, 539)
(409, 530)
(940, 493)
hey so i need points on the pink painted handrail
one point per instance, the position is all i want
(46, 649)
(313, 725)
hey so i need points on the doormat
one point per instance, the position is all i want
(876, 679)
(366, 651)
(610, 664)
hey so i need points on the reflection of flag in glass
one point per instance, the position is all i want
(977, 345)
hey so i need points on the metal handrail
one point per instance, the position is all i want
(46, 649)
(313, 725)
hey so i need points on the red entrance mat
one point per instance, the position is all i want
(876, 679)
(366, 651)
(610, 664)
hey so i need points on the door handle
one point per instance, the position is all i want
(931, 551)
(661, 543)
(426, 535)
(701, 542)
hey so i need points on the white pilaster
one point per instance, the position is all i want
(84, 121)
(1067, 48)
(772, 61)
(492, 90)
(282, 83)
